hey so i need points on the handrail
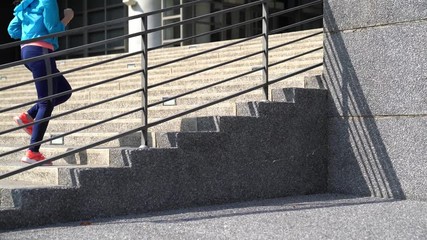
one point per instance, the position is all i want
(144, 70)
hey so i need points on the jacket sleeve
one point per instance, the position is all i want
(51, 17)
(15, 28)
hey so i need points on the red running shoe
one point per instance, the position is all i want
(23, 119)
(33, 157)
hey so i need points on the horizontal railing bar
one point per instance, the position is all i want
(204, 70)
(294, 41)
(98, 25)
(208, 33)
(294, 57)
(152, 124)
(203, 52)
(71, 91)
(194, 19)
(53, 75)
(295, 8)
(70, 50)
(296, 24)
(204, 87)
(63, 114)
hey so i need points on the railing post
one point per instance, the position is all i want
(144, 82)
(265, 48)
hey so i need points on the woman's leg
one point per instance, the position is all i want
(42, 109)
(60, 84)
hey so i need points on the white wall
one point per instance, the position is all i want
(143, 6)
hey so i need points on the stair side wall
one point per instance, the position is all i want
(229, 159)
(376, 72)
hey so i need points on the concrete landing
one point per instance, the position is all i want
(325, 216)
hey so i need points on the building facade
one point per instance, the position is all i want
(89, 12)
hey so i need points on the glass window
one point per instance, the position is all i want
(95, 4)
(97, 11)
(172, 32)
(171, 3)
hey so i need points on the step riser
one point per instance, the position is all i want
(128, 141)
(207, 59)
(156, 94)
(90, 157)
(206, 168)
(42, 175)
(156, 77)
(58, 127)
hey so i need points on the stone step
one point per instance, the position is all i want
(205, 168)
(70, 125)
(203, 96)
(159, 74)
(43, 176)
(124, 85)
(76, 139)
(179, 51)
(6, 184)
(222, 56)
(87, 114)
(196, 81)
(61, 126)
(92, 156)
(23, 96)
(226, 108)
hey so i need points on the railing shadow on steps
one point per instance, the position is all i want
(145, 69)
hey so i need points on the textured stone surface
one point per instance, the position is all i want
(270, 156)
(377, 71)
(324, 217)
(348, 14)
(166, 140)
(382, 157)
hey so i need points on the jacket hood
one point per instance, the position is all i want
(18, 11)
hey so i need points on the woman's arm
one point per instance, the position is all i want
(68, 16)
(15, 28)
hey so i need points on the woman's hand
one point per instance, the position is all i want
(68, 16)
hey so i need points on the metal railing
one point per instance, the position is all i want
(145, 69)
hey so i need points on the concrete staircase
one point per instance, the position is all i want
(83, 118)
(66, 178)
(268, 150)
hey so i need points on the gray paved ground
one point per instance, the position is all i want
(309, 217)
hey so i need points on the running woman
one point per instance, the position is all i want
(33, 19)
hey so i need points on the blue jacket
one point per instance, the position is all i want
(36, 18)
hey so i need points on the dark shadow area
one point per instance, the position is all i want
(290, 204)
(6, 13)
(359, 162)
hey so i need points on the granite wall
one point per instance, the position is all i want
(376, 73)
